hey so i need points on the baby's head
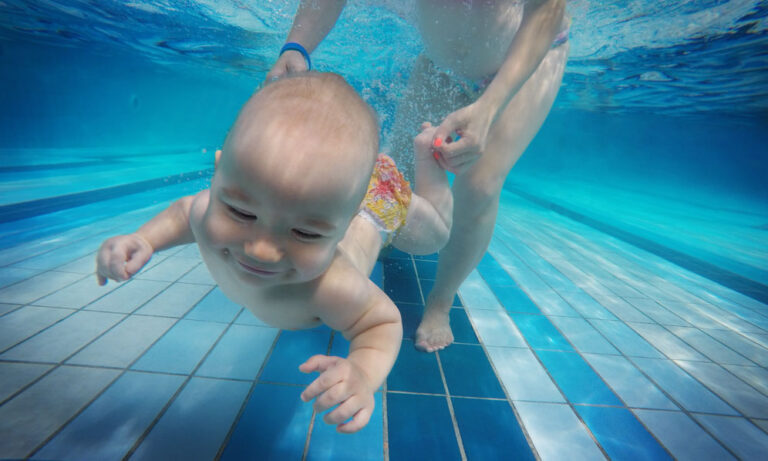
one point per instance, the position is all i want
(293, 172)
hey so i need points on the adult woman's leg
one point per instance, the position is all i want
(476, 194)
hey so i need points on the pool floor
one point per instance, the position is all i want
(571, 343)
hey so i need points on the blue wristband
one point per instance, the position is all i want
(293, 46)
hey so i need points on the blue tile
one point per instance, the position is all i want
(625, 339)
(469, 373)
(621, 434)
(404, 290)
(461, 327)
(426, 288)
(175, 301)
(215, 307)
(25, 322)
(495, 275)
(182, 347)
(273, 425)
(377, 275)
(413, 437)
(427, 270)
(200, 417)
(111, 425)
(292, 349)
(540, 333)
(14, 376)
(411, 316)
(514, 299)
(339, 345)
(391, 252)
(576, 379)
(366, 444)
(415, 371)
(239, 354)
(744, 439)
(398, 269)
(430, 257)
(489, 430)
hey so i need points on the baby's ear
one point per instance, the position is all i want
(216, 158)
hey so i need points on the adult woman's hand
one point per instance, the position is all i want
(471, 123)
(291, 61)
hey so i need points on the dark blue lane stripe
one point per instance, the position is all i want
(47, 166)
(32, 208)
(732, 280)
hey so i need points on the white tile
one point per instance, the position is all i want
(742, 345)
(123, 344)
(627, 381)
(77, 295)
(625, 339)
(682, 436)
(170, 270)
(755, 376)
(708, 346)
(37, 287)
(475, 294)
(730, 388)
(14, 376)
(738, 434)
(200, 275)
(128, 296)
(523, 376)
(495, 328)
(583, 336)
(666, 342)
(25, 322)
(556, 432)
(66, 337)
(175, 301)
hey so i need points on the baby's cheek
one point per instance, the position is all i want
(218, 231)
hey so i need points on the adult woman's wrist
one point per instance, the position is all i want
(295, 46)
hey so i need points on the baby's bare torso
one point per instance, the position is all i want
(470, 38)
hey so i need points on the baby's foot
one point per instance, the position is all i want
(434, 332)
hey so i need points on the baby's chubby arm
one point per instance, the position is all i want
(122, 256)
(369, 319)
(430, 214)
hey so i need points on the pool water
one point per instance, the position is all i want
(621, 310)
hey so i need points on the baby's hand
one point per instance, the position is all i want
(122, 256)
(342, 383)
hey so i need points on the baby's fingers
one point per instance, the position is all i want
(359, 421)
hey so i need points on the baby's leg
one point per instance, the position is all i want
(477, 191)
(361, 244)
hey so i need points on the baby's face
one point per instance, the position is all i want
(270, 221)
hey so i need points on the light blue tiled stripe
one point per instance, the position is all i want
(523, 376)
(182, 347)
(742, 345)
(682, 437)
(573, 442)
(110, 426)
(65, 338)
(200, 275)
(14, 376)
(551, 303)
(128, 296)
(583, 336)
(625, 339)
(738, 434)
(25, 322)
(475, 293)
(730, 388)
(666, 342)
(686, 390)
(239, 354)
(756, 376)
(708, 346)
(496, 328)
(654, 310)
(9, 275)
(125, 343)
(206, 408)
(633, 388)
(170, 270)
(37, 287)
(31, 417)
(76, 295)
(215, 307)
(175, 301)
(586, 305)
(622, 309)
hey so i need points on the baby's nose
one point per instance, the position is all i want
(263, 250)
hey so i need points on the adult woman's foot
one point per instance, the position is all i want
(434, 332)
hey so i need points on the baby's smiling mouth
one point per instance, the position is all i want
(256, 270)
